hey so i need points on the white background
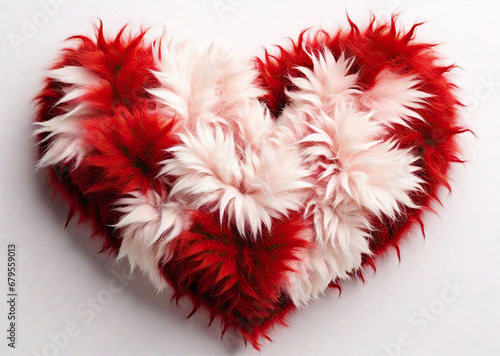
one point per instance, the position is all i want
(59, 270)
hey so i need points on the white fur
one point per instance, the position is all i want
(65, 130)
(356, 165)
(148, 224)
(359, 175)
(198, 85)
(330, 262)
(250, 186)
(395, 99)
(326, 84)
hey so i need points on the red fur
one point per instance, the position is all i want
(237, 280)
(123, 66)
(128, 147)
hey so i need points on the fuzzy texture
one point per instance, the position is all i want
(208, 85)
(239, 280)
(148, 223)
(358, 176)
(93, 79)
(400, 79)
(249, 187)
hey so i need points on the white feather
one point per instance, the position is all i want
(199, 85)
(359, 175)
(250, 186)
(65, 131)
(327, 262)
(149, 223)
(395, 98)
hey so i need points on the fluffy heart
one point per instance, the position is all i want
(249, 186)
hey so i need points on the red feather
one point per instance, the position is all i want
(237, 280)
(123, 67)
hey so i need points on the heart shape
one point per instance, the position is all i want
(250, 187)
